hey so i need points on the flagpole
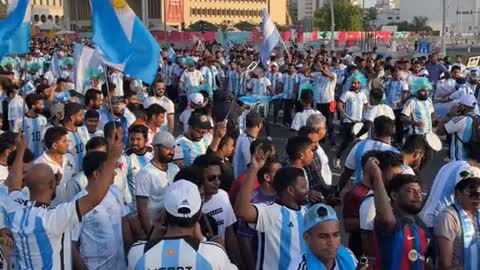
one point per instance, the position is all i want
(108, 94)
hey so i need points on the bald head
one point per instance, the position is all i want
(39, 176)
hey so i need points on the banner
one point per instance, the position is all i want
(174, 11)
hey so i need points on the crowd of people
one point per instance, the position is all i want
(184, 174)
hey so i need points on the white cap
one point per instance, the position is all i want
(274, 64)
(196, 98)
(182, 199)
(471, 172)
(423, 72)
(468, 100)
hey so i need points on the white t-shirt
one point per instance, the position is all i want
(220, 208)
(191, 80)
(42, 233)
(166, 103)
(367, 212)
(184, 116)
(152, 182)
(279, 228)
(375, 111)
(324, 87)
(354, 105)
(326, 171)
(259, 86)
(300, 118)
(67, 169)
(3, 173)
(100, 232)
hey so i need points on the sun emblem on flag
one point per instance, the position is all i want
(170, 252)
(119, 4)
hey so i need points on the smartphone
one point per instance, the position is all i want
(363, 260)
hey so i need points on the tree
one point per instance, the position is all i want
(348, 17)
(418, 24)
(245, 26)
(282, 28)
(202, 26)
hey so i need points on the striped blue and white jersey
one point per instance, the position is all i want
(259, 86)
(442, 192)
(289, 82)
(419, 111)
(280, 236)
(171, 72)
(354, 158)
(394, 91)
(100, 232)
(354, 105)
(131, 165)
(179, 253)
(41, 232)
(97, 133)
(117, 78)
(241, 155)
(151, 183)
(77, 140)
(233, 81)
(187, 150)
(324, 88)
(460, 128)
(210, 74)
(190, 81)
(33, 130)
(275, 79)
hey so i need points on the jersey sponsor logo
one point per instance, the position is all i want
(215, 212)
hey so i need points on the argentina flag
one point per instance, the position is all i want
(123, 40)
(271, 37)
(15, 29)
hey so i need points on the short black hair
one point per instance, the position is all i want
(70, 109)
(111, 88)
(154, 109)
(192, 174)
(92, 162)
(286, 177)
(306, 96)
(401, 180)
(455, 67)
(204, 161)
(53, 135)
(5, 146)
(92, 114)
(61, 80)
(110, 127)
(225, 140)
(467, 184)
(383, 126)
(95, 143)
(90, 95)
(267, 145)
(376, 94)
(386, 159)
(267, 168)
(9, 136)
(306, 130)
(414, 142)
(253, 119)
(183, 222)
(139, 128)
(296, 145)
(28, 157)
(32, 98)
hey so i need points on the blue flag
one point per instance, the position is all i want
(15, 29)
(124, 42)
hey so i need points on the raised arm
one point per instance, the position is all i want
(15, 177)
(243, 208)
(99, 188)
(384, 212)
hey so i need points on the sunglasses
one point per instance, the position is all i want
(212, 178)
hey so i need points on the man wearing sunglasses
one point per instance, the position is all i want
(456, 229)
(322, 236)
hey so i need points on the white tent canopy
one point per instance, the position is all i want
(49, 25)
(160, 27)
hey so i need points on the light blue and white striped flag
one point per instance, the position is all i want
(55, 66)
(15, 29)
(86, 60)
(171, 53)
(271, 37)
(123, 40)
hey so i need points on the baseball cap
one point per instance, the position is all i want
(468, 100)
(182, 199)
(196, 98)
(164, 138)
(471, 172)
(317, 214)
(274, 64)
(474, 73)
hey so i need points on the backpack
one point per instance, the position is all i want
(351, 203)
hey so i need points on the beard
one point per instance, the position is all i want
(78, 124)
(411, 208)
(38, 111)
(165, 159)
(422, 97)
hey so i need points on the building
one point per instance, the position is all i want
(462, 15)
(185, 12)
(43, 10)
(306, 11)
(387, 15)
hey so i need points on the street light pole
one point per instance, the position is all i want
(444, 18)
(332, 29)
